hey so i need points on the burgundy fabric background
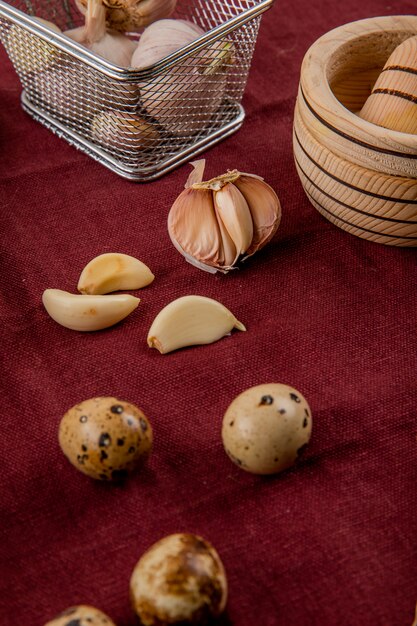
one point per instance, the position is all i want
(332, 542)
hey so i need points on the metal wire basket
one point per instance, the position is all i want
(138, 123)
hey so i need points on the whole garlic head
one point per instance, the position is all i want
(185, 97)
(214, 223)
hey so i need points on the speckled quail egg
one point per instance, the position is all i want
(266, 428)
(81, 615)
(105, 438)
(179, 580)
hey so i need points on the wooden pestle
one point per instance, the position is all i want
(393, 101)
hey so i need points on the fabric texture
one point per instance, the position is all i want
(330, 542)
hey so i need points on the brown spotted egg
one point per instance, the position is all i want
(105, 438)
(81, 615)
(179, 580)
(266, 428)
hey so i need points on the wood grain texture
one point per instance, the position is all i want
(346, 145)
(346, 59)
(360, 176)
(369, 204)
(393, 101)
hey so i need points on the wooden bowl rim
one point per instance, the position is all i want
(328, 109)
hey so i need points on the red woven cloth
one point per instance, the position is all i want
(332, 542)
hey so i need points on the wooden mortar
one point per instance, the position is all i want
(359, 175)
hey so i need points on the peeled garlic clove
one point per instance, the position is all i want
(113, 271)
(265, 209)
(194, 231)
(189, 321)
(85, 312)
(34, 53)
(234, 212)
(123, 131)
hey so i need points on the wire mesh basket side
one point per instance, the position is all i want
(139, 123)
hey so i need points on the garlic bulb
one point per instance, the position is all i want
(131, 15)
(214, 223)
(111, 45)
(32, 53)
(123, 131)
(184, 98)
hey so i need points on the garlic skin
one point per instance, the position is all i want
(184, 98)
(266, 215)
(128, 15)
(213, 223)
(123, 131)
(110, 45)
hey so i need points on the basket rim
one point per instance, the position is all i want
(76, 50)
(138, 174)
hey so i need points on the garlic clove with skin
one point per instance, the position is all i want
(247, 214)
(265, 209)
(234, 212)
(228, 254)
(205, 244)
